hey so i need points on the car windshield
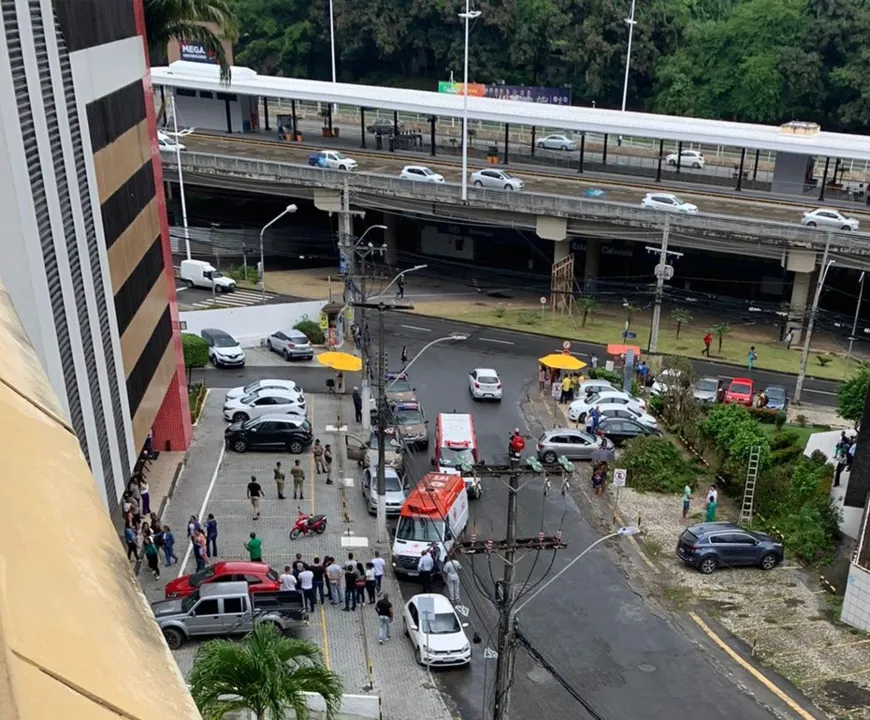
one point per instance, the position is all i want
(451, 457)
(426, 171)
(188, 602)
(775, 393)
(409, 417)
(506, 175)
(398, 385)
(420, 529)
(740, 389)
(305, 426)
(339, 156)
(440, 624)
(248, 389)
(216, 273)
(224, 340)
(198, 578)
(297, 338)
(248, 399)
(677, 200)
(488, 379)
(392, 483)
(708, 385)
(373, 441)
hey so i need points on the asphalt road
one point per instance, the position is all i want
(621, 653)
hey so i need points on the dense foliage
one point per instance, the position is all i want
(195, 351)
(312, 331)
(656, 464)
(753, 60)
(734, 432)
(851, 394)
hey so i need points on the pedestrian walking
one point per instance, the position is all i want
(708, 341)
(840, 458)
(306, 584)
(254, 546)
(450, 569)
(350, 577)
(145, 496)
(371, 585)
(360, 583)
(751, 357)
(255, 492)
(357, 404)
(152, 557)
(710, 515)
(593, 361)
(211, 534)
(384, 609)
(169, 546)
(850, 454)
(789, 338)
(404, 356)
(298, 475)
(400, 292)
(598, 476)
(542, 378)
(380, 566)
(425, 565)
(199, 551)
(287, 580)
(327, 461)
(130, 539)
(192, 527)
(333, 577)
(317, 451)
(319, 572)
(279, 479)
(687, 499)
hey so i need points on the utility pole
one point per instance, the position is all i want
(663, 272)
(802, 370)
(855, 321)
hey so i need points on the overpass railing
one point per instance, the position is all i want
(713, 225)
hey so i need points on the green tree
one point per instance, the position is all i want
(587, 307)
(720, 331)
(266, 674)
(279, 36)
(852, 394)
(680, 316)
(167, 20)
(195, 352)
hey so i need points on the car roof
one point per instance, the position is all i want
(237, 566)
(485, 371)
(442, 604)
(407, 406)
(297, 419)
(742, 380)
(281, 392)
(216, 331)
(223, 588)
(723, 526)
(561, 430)
(775, 387)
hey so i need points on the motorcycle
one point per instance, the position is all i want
(308, 524)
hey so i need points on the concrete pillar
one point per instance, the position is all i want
(551, 228)
(590, 271)
(803, 264)
(392, 223)
(561, 250)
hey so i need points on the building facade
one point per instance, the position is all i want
(84, 239)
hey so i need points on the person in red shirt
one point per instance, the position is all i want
(708, 341)
(517, 444)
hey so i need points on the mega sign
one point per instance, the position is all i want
(196, 52)
(520, 93)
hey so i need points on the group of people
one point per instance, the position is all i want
(844, 454)
(568, 382)
(711, 502)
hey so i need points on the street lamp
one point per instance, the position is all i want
(631, 23)
(805, 353)
(286, 211)
(332, 39)
(468, 16)
(180, 180)
(621, 532)
(855, 321)
(401, 274)
(368, 230)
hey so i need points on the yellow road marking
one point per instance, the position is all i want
(757, 674)
(324, 638)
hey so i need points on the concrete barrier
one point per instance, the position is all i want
(251, 325)
(353, 707)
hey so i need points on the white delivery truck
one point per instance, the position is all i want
(199, 273)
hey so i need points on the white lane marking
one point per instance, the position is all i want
(182, 288)
(819, 392)
(492, 340)
(415, 327)
(202, 509)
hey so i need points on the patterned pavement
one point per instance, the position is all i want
(348, 639)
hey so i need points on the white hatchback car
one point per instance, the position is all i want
(667, 203)
(496, 179)
(688, 158)
(577, 410)
(395, 490)
(556, 142)
(437, 634)
(420, 173)
(827, 218)
(168, 143)
(626, 412)
(286, 385)
(484, 384)
(332, 159)
(264, 402)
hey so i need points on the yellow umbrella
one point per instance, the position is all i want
(561, 361)
(344, 362)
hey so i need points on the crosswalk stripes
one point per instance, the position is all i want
(237, 298)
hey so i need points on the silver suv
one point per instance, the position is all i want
(291, 345)
(572, 443)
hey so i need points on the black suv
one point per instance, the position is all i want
(270, 432)
(723, 544)
(382, 126)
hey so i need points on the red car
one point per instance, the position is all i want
(259, 576)
(740, 392)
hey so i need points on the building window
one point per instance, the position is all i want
(206, 94)
(184, 92)
(228, 96)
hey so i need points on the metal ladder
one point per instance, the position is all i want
(746, 511)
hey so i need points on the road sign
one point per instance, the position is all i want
(619, 475)
(566, 345)
(629, 335)
(543, 301)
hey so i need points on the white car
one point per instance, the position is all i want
(496, 179)
(332, 159)
(253, 387)
(395, 490)
(662, 379)
(588, 387)
(626, 412)
(437, 635)
(484, 383)
(688, 158)
(269, 401)
(667, 203)
(577, 410)
(168, 143)
(556, 142)
(827, 218)
(291, 345)
(420, 173)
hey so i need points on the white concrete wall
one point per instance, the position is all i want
(353, 707)
(434, 242)
(207, 114)
(856, 602)
(252, 325)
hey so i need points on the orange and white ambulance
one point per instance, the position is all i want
(434, 514)
(455, 447)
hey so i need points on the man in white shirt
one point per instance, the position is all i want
(333, 577)
(306, 584)
(451, 570)
(287, 580)
(425, 565)
(379, 564)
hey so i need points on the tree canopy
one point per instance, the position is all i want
(766, 61)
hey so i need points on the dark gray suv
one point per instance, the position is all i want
(723, 544)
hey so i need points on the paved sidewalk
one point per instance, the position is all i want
(348, 639)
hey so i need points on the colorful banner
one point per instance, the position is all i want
(519, 93)
(474, 90)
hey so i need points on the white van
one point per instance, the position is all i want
(168, 143)
(455, 446)
(199, 273)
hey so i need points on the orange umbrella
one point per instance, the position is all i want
(623, 350)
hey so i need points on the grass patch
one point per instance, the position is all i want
(676, 597)
(653, 547)
(195, 399)
(802, 432)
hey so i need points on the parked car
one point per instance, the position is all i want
(223, 349)
(199, 273)
(288, 385)
(438, 637)
(577, 410)
(740, 391)
(167, 143)
(619, 430)
(412, 425)
(484, 384)
(291, 345)
(259, 576)
(574, 444)
(420, 173)
(830, 219)
(399, 388)
(556, 142)
(395, 490)
(591, 387)
(707, 390)
(723, 544)
(667, 202)
(687, 158)
(270, 432)
(366, 454)
(332, 159)
(382, 126)
(492, 178)
(266, 401)
(777, 397)
(664, 380)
